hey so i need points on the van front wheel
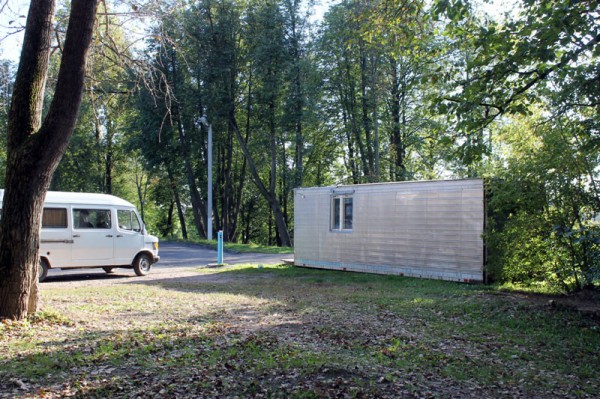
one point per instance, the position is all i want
(42, 270)
(142, 265)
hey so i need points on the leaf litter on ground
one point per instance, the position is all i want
(287, 332)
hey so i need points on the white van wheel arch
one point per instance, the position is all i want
(142, 264)
(42, 269)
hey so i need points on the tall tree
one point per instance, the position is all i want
(537, 74)
(267, 61)
(378, 61)
(295, 101)
(212, 50)
(35, 147)
(547, 51)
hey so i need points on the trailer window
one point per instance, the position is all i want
(54, 218)
(92, 218)
(341, 213)
(128, 220)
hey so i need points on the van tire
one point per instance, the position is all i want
(142, 264)
(108, 269)
(42, 269)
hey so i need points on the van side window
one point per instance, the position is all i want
(92, 218)
(54, 218)
(128, 220)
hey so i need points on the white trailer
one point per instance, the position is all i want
(429, 229)
(87, 230)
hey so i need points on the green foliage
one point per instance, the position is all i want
(526, 251)
(538, 66)
(542, 207)
(380, 63)
(545, 52)
(381, 91)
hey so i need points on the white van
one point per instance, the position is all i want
(84, 230)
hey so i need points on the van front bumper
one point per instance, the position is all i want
(155, 259)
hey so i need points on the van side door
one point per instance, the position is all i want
(129, 238)
(93, 236)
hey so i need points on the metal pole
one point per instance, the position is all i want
(220, 248)
(210, 196)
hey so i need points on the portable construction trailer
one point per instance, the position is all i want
(429, 229)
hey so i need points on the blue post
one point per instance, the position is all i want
(220, 248)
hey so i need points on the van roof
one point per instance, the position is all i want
(61, 197)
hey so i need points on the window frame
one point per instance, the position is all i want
(77, 216)
(64, 216)
(337, 219)
(132, 216)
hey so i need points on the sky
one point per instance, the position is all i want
(13, 14)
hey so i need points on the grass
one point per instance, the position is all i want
(281, 331)
(242, 248)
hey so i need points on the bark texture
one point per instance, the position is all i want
(35, 147)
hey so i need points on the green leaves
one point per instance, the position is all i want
(523, 57)
(542, 205)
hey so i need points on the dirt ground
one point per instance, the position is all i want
(287, 333)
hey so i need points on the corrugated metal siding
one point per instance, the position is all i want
(425, 229)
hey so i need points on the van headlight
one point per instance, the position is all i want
(155, 245)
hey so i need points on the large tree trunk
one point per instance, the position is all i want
(33, 151)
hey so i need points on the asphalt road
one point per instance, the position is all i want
(174, 257)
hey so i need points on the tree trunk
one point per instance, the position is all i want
(374, 72)
(180, 214)
(108, 159)
(34, 151)
(272, 200)
(242, 176)
(397, 146)
(366, 119)
(298, 100)
(141, 187)
(185, 145)
(169, 230)
(351, 112)
(346, 94)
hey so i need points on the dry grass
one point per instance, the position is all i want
(289, 332)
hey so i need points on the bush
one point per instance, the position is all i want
(533, 245)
